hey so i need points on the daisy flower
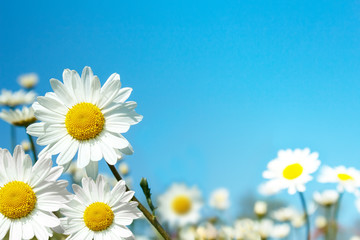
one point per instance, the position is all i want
(28, 80)
(219, 199)
(10, 99)
(17, 117)
(292, 169)
(28, 196)
(347, 178)
(180, 205)
(98, 213)
(82, 117)
(326, 198)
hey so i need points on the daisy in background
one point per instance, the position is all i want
(28, 80)
(29, 195)
(98, 213)
(180, 205)
(13, 99)
(327, 198)
(292, 169)
(219, 199)
(82, 117)
(348, 179)
(17, 117)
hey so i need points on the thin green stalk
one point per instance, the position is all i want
(33, 148)
(152, 219)
(336, 213)
(13, 136)
(303, 203)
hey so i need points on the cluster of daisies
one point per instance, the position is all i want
(80, 120)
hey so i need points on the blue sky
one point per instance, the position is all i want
(222, 85)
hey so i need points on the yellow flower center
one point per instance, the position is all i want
(84, 121)
(181, 204)
(345, 177)
(17, 200)
(98, 216)
(292, 171)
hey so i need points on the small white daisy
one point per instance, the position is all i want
(347, 178)
(17, 117)
(326, 198)
(10, 99)
(28, 80)
(98, 213)
(260, 208)
(219, 199)
(285, 214)
(83, 117)
(180, 205)
(292, 169)
(29, 195)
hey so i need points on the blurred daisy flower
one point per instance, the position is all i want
(280, 231)
(180, 205)
(285, 214)
(82, 117)
(10, 99)
(292, 169)
(28, 80)
(327, 198)
(268, 188)
(98, 213)
(219, 199)
(347, 178)
(28, 196)
(260, 208)
(17, 117)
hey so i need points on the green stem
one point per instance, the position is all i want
(303, 203)
(33, 148)
(13, 136)
(336, 213)
(152, 219)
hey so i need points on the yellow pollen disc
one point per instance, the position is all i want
(345, 177)
(181, 204)
(17, 200)
(292, 171)
(98, 216)
(84, 121)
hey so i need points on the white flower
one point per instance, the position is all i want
(98, 213)
(260, 208)
(219, 199)
(320, 222)
(17, 117)
(298, 220)
(264, 227)
(284, 214)
(326, 198)
(180, 205)
(269, 188)
(206, 232)
(25, 145)
(29, 195)
(187, 233)
(347, 178)
(280, 230)
(10, 99)
(123, 168)
(245, 229)
(355, 238)
(292, 169)
(226, 233)
(28, 80)
(83, 117)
